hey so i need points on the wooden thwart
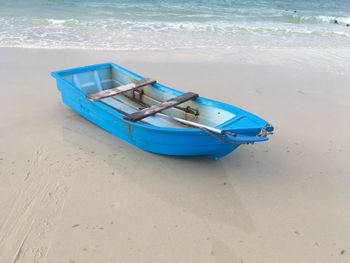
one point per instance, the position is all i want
(139, 115)
(121, 89)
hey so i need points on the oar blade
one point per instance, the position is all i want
(240, 138)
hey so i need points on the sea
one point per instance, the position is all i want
(173, 24)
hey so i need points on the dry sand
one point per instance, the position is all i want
(71, 192)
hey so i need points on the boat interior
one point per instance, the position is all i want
(131, 101)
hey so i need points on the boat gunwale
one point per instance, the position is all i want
(238, 112)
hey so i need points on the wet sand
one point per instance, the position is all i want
(71, 192)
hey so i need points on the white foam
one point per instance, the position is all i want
(119, 34)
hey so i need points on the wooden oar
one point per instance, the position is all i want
(236, 138)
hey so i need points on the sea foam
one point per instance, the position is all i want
(167, 25)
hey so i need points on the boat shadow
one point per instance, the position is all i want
(195, 185)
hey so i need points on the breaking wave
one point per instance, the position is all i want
(130, 24)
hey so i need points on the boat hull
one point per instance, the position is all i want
(159, 140)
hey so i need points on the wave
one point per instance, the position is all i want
(121, 34)
(190, 26)
(325, 19)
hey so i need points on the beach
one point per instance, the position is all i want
(71, 192)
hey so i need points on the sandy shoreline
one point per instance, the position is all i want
(70, 192)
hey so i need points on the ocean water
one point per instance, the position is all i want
(167, 24)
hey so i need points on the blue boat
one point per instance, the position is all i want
(154, 117)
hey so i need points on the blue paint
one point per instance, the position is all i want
(74, 84)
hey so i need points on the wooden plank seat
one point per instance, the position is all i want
(139, 115)
(121, 89)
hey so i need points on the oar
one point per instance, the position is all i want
(233, 137)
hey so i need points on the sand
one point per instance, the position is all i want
(71, 192)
